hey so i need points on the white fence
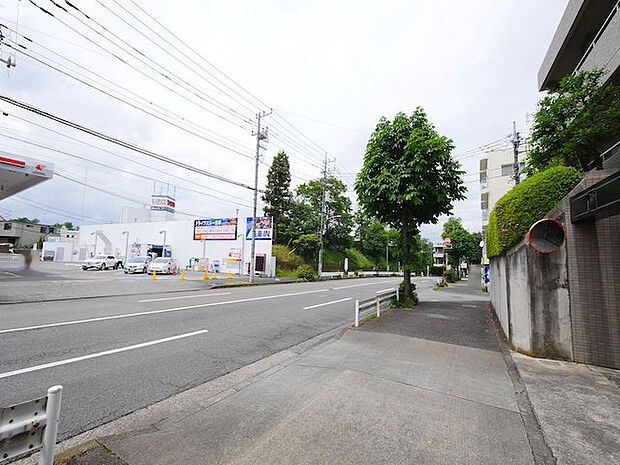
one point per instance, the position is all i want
(367, 307)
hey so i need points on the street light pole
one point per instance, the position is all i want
(163, 248)
(126, 246)
(322, 225)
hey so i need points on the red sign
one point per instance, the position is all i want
(447, 240)
(11, 161)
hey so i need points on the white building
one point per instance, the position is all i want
(496, 178)
(439, 254)
(147, 238)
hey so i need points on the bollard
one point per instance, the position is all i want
(397, 294)
(154, 275)
(378, 307)
(52, 412)
(214, 275)
(182, 276)
(357, 313)
(229, 275)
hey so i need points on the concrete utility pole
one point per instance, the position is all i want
(260, 135)
(323, 183)
(515, 144)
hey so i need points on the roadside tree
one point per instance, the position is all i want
(277, 196)
(409, 178)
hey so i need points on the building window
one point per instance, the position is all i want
(507, 170)
(7, 226)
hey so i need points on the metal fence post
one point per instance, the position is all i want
(52, 412)
(398, 294)
(378, 306)
(357, 313)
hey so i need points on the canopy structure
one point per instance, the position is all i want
(18, 173)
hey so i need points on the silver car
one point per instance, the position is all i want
(163, 265)
(137, 265)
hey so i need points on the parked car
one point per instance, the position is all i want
(163, 265)
(137, 265)
(102, 262)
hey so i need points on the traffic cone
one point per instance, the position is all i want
(229, 275)
(214, 275)
(206, 276)
(182, 274)
(154, 276)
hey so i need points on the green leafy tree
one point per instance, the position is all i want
(277, 196)
(24, 219)
(374, 240)
(338, 210)
(463, 246)
(306, 245)
(572, 122)
(66, 224)
(408, 179)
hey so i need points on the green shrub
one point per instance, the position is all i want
(525, 204)
(305, 272)
(407, 303)
(451, 276)
(439, 284)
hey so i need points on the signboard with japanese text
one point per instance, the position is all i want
(264, 228)
(215, 229)
(162, 203)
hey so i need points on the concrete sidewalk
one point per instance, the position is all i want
(422, 386)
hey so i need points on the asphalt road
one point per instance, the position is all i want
(117, 354)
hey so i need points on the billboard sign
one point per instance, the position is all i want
(215, 229)
(264, 228)
(162, 203)
(234, 255)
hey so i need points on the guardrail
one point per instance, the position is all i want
(27, 426)
(369, 306)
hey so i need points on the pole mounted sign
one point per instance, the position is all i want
(27, 426)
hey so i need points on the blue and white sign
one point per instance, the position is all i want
(264, 228)
(162, 203)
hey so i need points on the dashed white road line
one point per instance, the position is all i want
(152, 312)
(328, 303)
(183, 297)
(21, 371)
(355, 285)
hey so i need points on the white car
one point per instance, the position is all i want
(137, 265)
(163, 265)
(102, 262)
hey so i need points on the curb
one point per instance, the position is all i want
(541, 452)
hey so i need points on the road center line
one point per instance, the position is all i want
(21, 371)
(152, 312)
(327, 303)
(183, 297)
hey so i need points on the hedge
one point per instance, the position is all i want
(525, 204)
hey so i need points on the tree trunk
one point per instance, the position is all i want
(406, 271)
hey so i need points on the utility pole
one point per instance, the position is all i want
(323, 183)
(515, 144)
(261, 134)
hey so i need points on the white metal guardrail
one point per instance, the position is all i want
(367, 307)
(27, 426)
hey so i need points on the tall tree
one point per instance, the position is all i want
(277, 196)
(464, 245)
(572, 122)
(408, 179)
(337, 209)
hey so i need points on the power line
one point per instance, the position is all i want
(119, 142)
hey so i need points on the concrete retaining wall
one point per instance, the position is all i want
(563, 305)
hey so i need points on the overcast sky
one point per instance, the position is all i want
(331, 69)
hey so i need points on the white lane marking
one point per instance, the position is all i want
(183, 297)
(21, 371)
(12, 275)
(151, 312)
(387, 290)
(356, 285)
(327, 303)
(468, 306)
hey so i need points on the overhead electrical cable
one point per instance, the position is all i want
(119, 142)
